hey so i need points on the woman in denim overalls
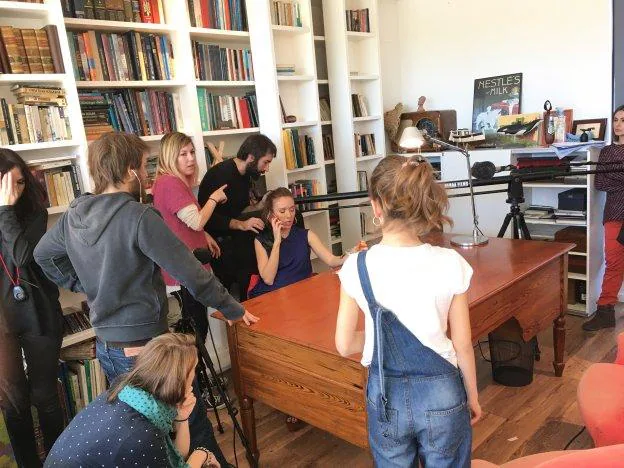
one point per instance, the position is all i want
(421, 392)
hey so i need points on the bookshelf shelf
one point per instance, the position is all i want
(295, 77)
(358, 36)
(23, 10)
(370, 157)
(231, 131)
(326, 122)
(308, 123)
(311, 167)
(221, 35)
(330, 162)
(43, 145)
(290, 29)
(79, 337)
(577, 276)
(308, 214)
(363, 77)
(34, 162)
(10, 78)
(322, 82)
(151, 137)
(577, 308)
(52, 210)
(129, 84)
(367, 118)
(552, 185)
(578, 254)
(115, 26)
(319, 38)
(555, 223)
(336, 240)
(225, 84)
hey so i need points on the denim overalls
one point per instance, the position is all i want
(415, 399)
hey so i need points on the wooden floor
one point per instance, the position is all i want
(516, 421)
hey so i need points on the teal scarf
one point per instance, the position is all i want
(158, 413)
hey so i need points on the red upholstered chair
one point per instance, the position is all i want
(600, 397)
(602, 457)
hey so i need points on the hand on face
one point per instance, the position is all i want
(276, 224)
(9, 191)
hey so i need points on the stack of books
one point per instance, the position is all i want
(130, 56)
(359, 105)
(362, 177)
(138, 11)
(286, 13)
(325, 109)
(328, 147)
(59, 179)
(298, 149)
(216, 63)
(151, 167)
(539, 212)
(96, 110)
(30, 50)
(306, 188)
(364, 144)
(75, 320)
(218, 14)
(285, 69)
(358, 20)
(334, 224)
(219, 112)
(570, 216)
(39, 116)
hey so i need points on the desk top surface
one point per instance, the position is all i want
(305, 312)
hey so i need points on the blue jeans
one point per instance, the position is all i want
(415, 399)
(114, 363)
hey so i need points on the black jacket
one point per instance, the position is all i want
(41, 313)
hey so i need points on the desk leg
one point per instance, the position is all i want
(559, 341)
(248, 418)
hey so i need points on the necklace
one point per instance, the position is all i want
(19, 293)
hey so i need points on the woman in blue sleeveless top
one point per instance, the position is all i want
(283, 252)
(421, 396)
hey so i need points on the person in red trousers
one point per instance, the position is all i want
(613, 184)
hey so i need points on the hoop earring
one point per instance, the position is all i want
(377, 221)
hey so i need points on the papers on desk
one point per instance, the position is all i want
(569, 147)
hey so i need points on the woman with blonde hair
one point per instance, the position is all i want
(131, 423)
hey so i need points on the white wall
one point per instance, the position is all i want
(562, 47)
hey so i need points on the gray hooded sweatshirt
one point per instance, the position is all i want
(112, 248)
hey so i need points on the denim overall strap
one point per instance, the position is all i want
(376, 311)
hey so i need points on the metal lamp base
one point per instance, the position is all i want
(469, 241)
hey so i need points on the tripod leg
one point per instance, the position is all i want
(515, 227)
(505, 225)
(204, 385)
(525, 230)
(248, 418)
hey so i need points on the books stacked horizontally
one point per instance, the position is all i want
(216, 63)
(328, 147)
(135, 56)
(539, 212)
(364, 144)
(325, 109)
(359, 105)
(218, 14)
(285, 69)
(358, 20)
(334, 224)
(39, 116)
(151, 166)
(138, 11)
(222, 112)
(574, 217)
(60, 181)
(143, 112)
(362, 177)
(298, 149)
(30, 50)
(306, 188)
(286, 13)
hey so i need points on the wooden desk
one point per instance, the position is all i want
(288, 359)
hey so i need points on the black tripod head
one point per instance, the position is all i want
(515, 191)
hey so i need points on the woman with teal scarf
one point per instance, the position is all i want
(143, 419)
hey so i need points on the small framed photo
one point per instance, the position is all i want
(597, 127)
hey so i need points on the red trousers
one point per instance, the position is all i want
(614, 268)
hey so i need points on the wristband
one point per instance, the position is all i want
(206, 451)
(213, 200)
(181, 420)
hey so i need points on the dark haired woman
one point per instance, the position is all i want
(30, 315)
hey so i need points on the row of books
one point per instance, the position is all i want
(100, 56)
(81, 382)
(60, 181)
(559, 216)
(358, 20)
(328, 147)
(75, 320)
(30, 50)
(364, 144)
(138, 11)
(325, 109)
(39, 116)
(306, 188)
(219, 112)
(286, 13)
(285, 69)
(298, 149)
(358, 102)
(143, 112)
(216, 63)
(218, 14)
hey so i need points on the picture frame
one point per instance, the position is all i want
(598, 127)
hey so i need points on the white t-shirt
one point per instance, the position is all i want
(417, 284)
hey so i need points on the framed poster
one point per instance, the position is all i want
(495, 96)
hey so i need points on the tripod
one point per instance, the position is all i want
(187, 325)
(515, 196)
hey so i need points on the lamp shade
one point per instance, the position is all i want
(411, 138)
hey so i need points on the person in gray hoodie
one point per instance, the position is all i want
(111, 247)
